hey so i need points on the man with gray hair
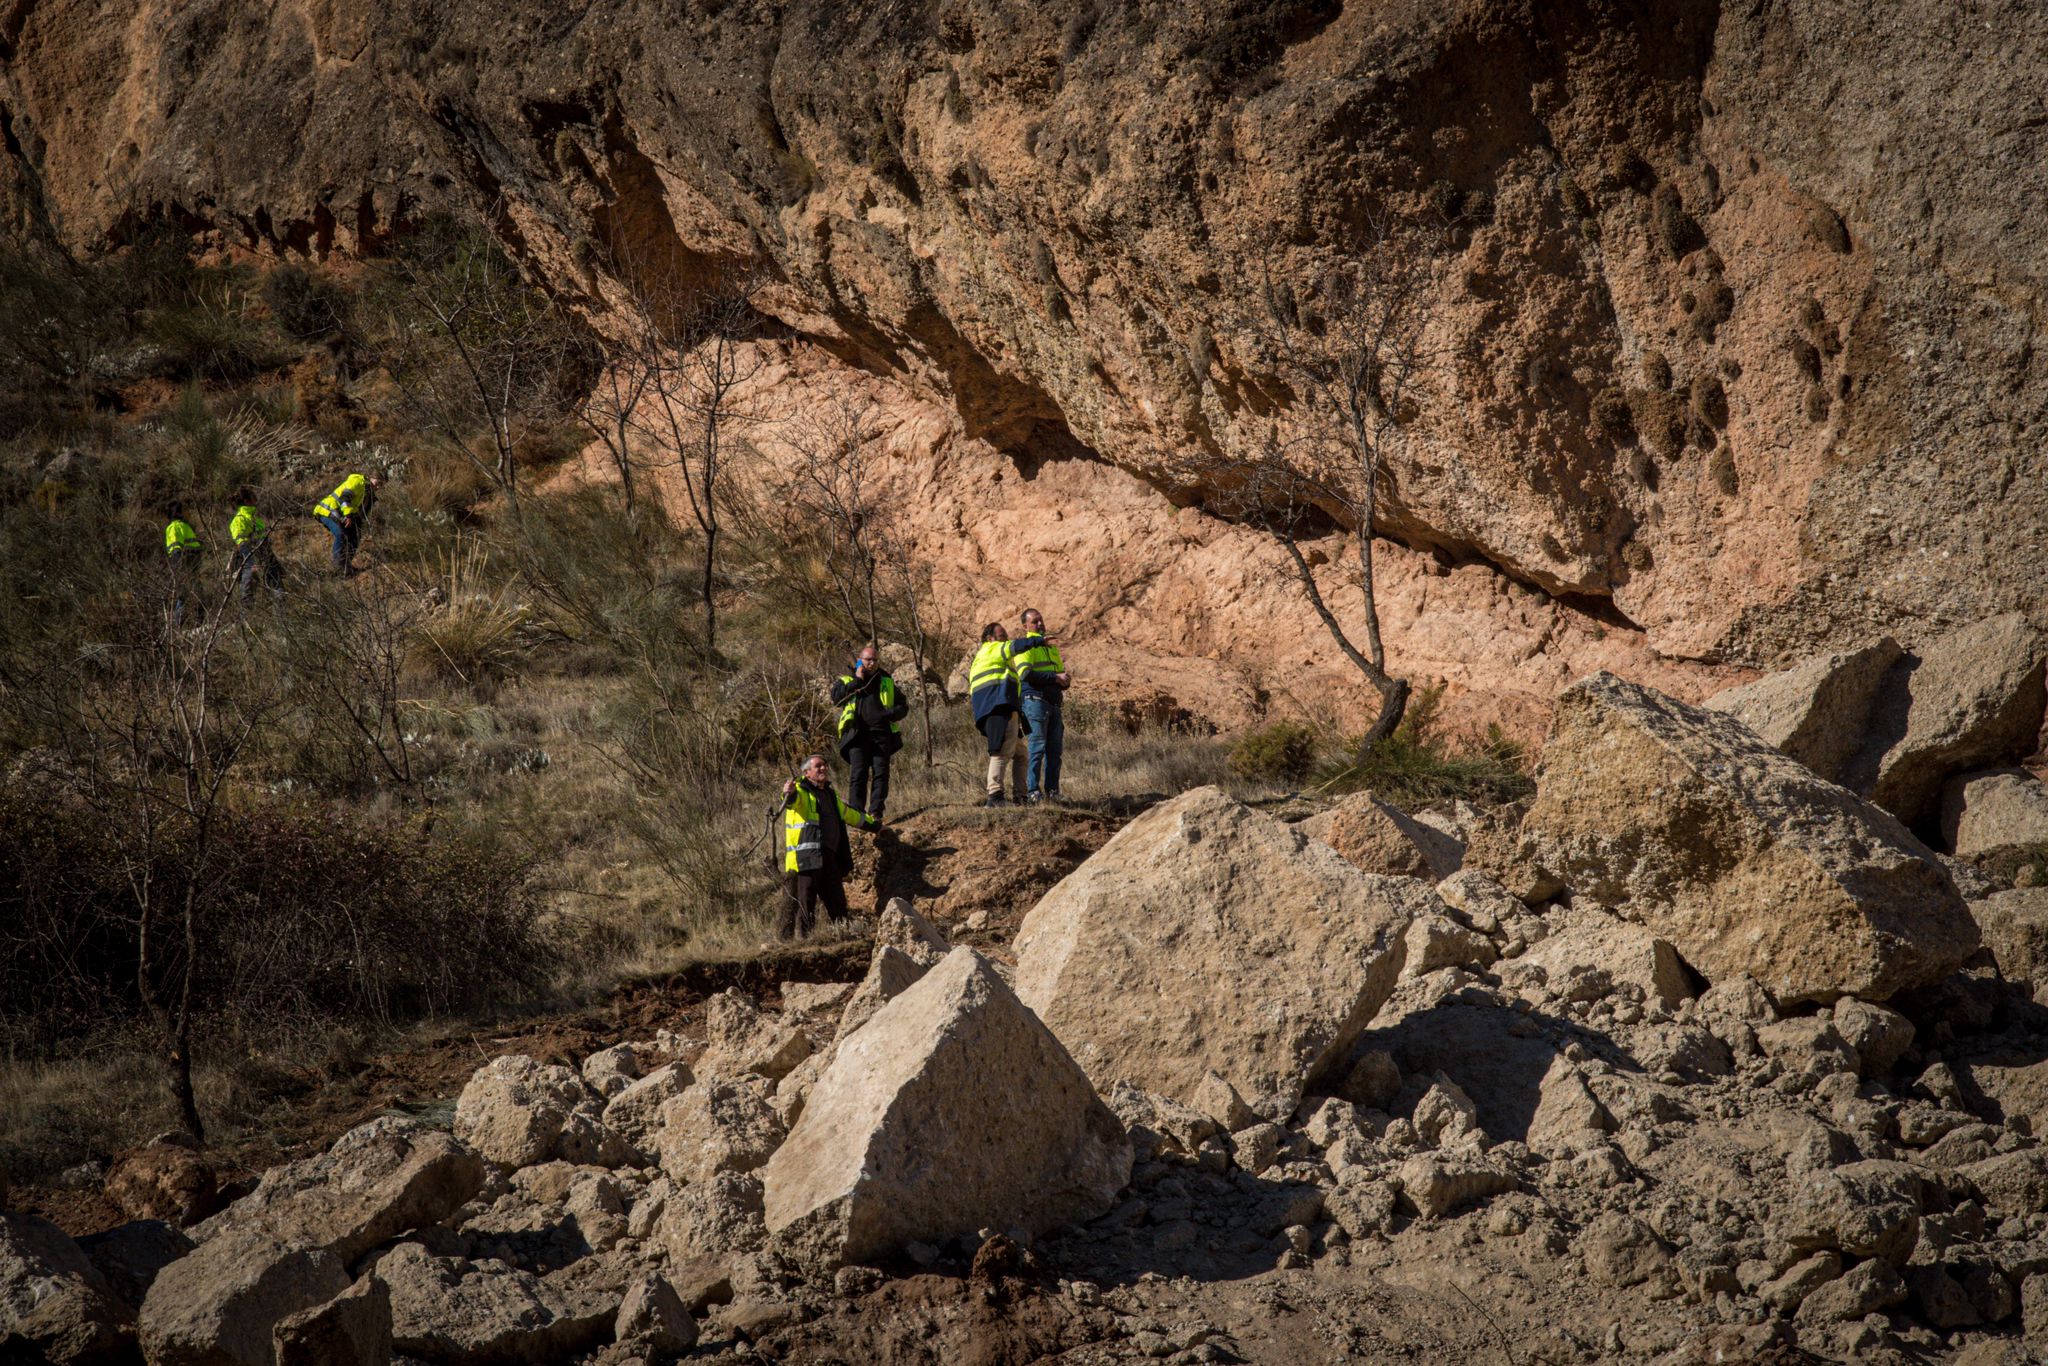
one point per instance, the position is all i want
(816, 853)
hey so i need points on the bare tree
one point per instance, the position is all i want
(678, 394)
(878, 585)
(1342, 347)
(480, 356)
(153, 724)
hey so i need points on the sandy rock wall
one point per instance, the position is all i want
(1738, 317)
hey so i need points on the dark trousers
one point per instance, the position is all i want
(346, 536)
(802, 893)
(259, 561)
(867, 785)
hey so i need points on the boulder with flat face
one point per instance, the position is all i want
(952, 1110)
(54, 1304)
(1380, 838)
(1209, 937)
(285, 1246)
(1997, 820)
(1967, 700)
(1815, 712)
(1744, 860)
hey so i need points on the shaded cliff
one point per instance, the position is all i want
(1739, 307)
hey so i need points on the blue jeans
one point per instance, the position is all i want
(1047, 743)
(345, 538)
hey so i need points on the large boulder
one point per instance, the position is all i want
(952, 1110)
(1815, 712)
(2014, 925)
(1207, 936)
(1968, 700)
(445, 1309)
(1998, 819)
(1742, 858)
(285, 1246)
(519, 1112)
(163, 1179)
(1379, 838)
(54, 1304)
(352, 1329)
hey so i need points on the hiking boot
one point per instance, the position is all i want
(996, 800)
(1033, 798)
(1056, 798)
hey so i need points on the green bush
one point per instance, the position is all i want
(1416, 765)
(312, 912)
(1284, 752)
(305, 306)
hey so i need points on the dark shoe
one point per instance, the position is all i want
(1056, 798)
(995, 801)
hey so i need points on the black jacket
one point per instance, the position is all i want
(869, 715)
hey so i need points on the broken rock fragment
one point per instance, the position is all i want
(1740, 857)
(953, 1109)
(1206, 935)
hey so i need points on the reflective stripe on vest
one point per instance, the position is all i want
(992, 664)
(803, 836)
(344, 500)
(886, 694)
(1040, 656)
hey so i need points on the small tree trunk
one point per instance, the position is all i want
(710, 601)
(1393, 691)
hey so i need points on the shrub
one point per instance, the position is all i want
(305, 306)
(1282, 752)
(1611, 415)
(314, 912)
(1416, 765)
(1675, 229)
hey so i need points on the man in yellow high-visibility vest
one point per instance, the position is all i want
(992, 683)
(182, 548)
(1042, 682)
(871, 712)
(253, 558)
(343, 513)
(816, 853)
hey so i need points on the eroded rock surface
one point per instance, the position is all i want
(1208, 936)
(1742, 858)
(950, 1110)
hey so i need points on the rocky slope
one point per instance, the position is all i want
(1737, 321)
(1699, 1058)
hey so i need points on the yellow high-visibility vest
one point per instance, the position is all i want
(345, 501)
(180, 538)
(247, 528)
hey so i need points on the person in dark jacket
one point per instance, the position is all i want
(871, 712)
(816, 852)
(992, 682)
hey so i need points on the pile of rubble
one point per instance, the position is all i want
(1697, 1055)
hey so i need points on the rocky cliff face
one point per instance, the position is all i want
(1738, 313)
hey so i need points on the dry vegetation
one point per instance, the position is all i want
(501, 769)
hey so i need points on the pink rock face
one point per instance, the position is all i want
(1718, 379)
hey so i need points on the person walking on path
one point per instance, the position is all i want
(816, 853)
(253, 558)
(992, 681)
(343, 513)
(871, 712)
(1042, 680)
(182, 549)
